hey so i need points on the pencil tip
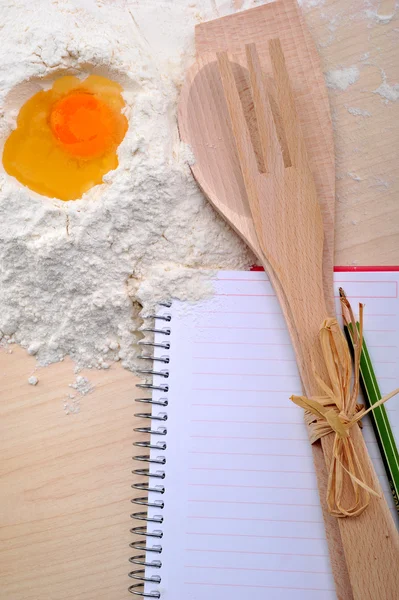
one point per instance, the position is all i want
(342, 293)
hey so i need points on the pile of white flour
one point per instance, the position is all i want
(75, 275)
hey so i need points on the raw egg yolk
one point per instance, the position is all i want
(83, 124)
(67, 137)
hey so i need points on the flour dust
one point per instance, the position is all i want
(75, 276)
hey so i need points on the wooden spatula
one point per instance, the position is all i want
(288, 224)
(281, 19)
(203, 124)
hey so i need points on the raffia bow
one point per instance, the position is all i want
(338, 411)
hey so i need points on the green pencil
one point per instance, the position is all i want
(379, 418)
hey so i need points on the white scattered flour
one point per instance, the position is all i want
(341, 79)
(74, 276)
(82, 386)
(358, 112)
(389, 92)
(373, 14)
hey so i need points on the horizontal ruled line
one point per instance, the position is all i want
(379, 346)
(384, 362)
(246, 470)
(254, 536)
(251, 487)
(246, 406)
(252, 519)
(247, 454)
(233, 437)
(262, 279)
(356, 281)
(241, 328)
(379, 330)
(252, 502)
(239, 422)
(255, 569)
(270, 587)
(254, 343)
(253, 359)
(253, 375)
(259, 295)
(212, 389)
(256, 553)
(354, 269)
(212, 342)
(366, 314)
(246, 312)
(349, 296)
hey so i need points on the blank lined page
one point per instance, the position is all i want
(241, 506)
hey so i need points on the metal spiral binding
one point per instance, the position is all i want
(157, 488)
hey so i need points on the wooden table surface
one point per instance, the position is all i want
(65, 478)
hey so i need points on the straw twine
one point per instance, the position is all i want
(338, 411)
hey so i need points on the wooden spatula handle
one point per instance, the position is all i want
(292, 252)
(343, 585)
(370, 541)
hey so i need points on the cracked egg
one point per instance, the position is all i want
(67, 137)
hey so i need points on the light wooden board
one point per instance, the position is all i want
(66, 515)
(366, 147)
(64, 483)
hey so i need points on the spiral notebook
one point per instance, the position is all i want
(233, 506)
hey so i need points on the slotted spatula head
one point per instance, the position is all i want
(281, 194)
(204, 124)
(283, 202)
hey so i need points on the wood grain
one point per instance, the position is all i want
(287, 220)
(203, 124)
(284, 205)
(64, 483)
(282, 19)
(366, 142)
